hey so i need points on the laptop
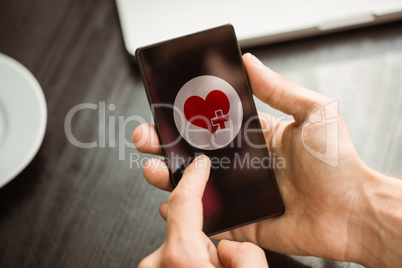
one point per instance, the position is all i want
(256, 22)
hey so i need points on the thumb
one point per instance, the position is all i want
(241, 254)
(280, 93)
(184, 210)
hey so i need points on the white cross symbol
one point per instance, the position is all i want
(220, 119)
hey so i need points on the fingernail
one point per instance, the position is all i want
(256, 60)
(202, 159)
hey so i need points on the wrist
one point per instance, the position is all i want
(373, 235)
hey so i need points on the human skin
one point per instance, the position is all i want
(186, 245)
(345, 212)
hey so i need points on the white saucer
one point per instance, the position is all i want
(23, 118)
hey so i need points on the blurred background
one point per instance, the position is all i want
(75, 207)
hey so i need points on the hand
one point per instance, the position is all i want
(186, 245)
(320, 199)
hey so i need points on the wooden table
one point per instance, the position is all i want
(74, 207)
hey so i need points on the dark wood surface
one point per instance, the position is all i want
(75, 207)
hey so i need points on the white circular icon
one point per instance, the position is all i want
(208, 112)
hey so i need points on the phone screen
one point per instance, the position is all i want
(202, 104)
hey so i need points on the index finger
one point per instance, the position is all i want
(185, 213)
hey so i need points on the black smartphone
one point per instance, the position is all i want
(202, 103)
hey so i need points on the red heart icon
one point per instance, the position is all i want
(211, 113)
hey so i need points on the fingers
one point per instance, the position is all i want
(241, 254)
(155, 171)
(157, 174)
(145, 139)
(185, 204)
(279, 93)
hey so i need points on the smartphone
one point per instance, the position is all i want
(202, 103)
